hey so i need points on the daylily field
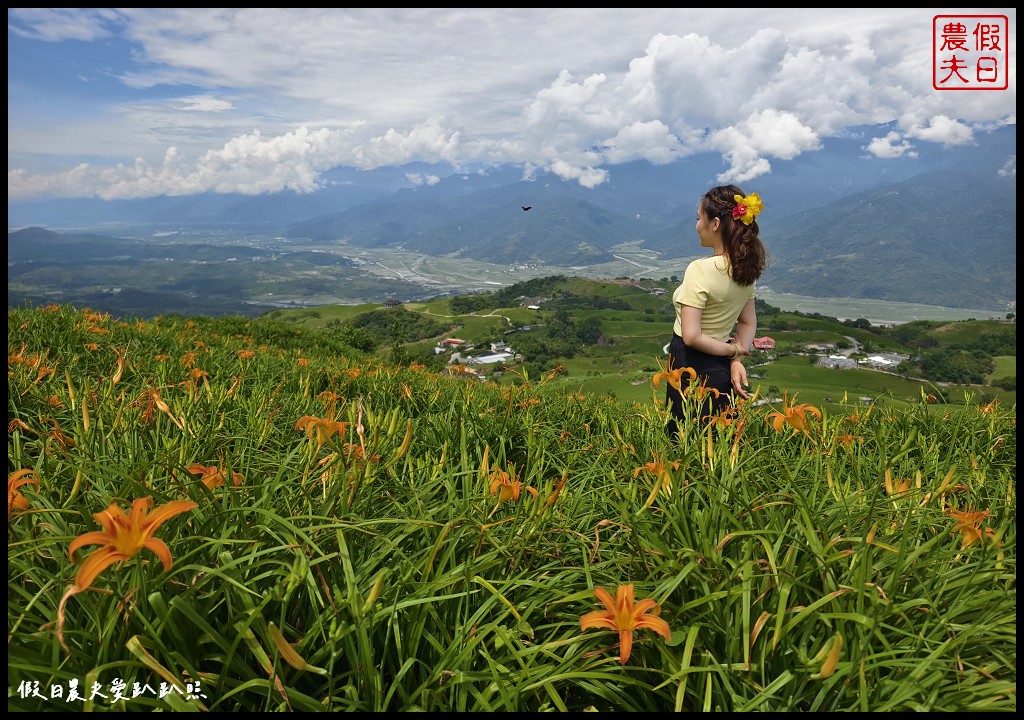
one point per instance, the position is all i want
(233, 515)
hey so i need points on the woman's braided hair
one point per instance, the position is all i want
(748, 256)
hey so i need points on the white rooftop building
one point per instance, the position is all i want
(879, 360)
(489, 359)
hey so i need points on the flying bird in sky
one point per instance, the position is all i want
(526, 207)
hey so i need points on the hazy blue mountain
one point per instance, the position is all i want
(343, 188)
(939, 238)
(38, 245)
(661, 196)
(563, 231)
(35, 243)
(937, 227)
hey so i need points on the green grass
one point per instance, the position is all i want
(815, 383)
(627, 376)
(963, 332)
(401, 541)
(1006, 366)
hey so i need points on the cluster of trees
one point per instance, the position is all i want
(964, 363)
(399, 325)
(949, 365)
(391, 326)
(507, 296)
(575, 302)
(561, 337)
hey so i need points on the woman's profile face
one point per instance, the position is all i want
(704, 228)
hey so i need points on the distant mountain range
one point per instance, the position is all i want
(938, 228)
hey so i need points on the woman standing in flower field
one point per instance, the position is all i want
(716, 295)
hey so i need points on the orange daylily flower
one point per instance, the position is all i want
(896, 486)
(968, 523)
(322, 427)
(17, 424)
(18, 357)
(627, 449)
(553, 374)
(702, 391)
(357, 455)
(195, 375)
(794, 415)
(151, 401)
(15, 500)
(56, 435)
(674, 377)
(848, 440)
(212, 476)
(660, 470)
(506, 486)
(123, 536)
(622, 615)
(329, 397)
(559, 484)
(857, 417)
(729, 415)
(246, 354)
(990, 408)
(93, 316)
(43, 373)
(32, 361)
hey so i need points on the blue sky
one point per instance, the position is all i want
(136, 102)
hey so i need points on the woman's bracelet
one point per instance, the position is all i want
(735, 351)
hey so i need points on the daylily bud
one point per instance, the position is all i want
(374, 591)
(406, 442)
(828, 667)
(288, 653)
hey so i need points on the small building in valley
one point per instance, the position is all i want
(491, 359)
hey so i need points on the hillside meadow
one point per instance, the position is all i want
(636, 324)
(226, 514)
